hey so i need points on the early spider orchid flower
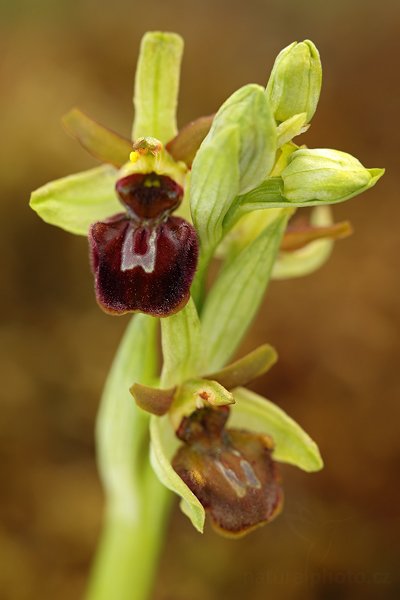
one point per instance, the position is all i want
(217, 444)
(143, 259)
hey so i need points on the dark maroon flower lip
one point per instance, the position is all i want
(230, 471)
(144, 260)
(149, 196)
(142, 268)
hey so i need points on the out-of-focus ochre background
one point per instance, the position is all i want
(337, 331)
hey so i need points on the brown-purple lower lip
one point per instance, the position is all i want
(230, 471)
(143, 268)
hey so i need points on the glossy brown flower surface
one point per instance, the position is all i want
(144, 259)
(229, 470)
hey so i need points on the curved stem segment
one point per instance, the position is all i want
(136, 503)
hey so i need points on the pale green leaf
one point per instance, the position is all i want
(75, 202)
(157, 86)
(236, 295)
(122, 427)
(292, 444)
(180, 345)
(164, 444)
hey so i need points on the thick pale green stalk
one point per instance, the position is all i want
(180, 346)
(136, 502)
(157, 86)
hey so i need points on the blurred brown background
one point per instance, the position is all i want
(336, 331)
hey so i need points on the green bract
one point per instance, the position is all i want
(249, 112)
(237, 154)
(214, 185)
(236, 295)
(295, 82)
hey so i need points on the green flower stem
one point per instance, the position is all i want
(128, 552)
(136, 502)
(198, 289)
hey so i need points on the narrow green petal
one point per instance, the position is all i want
(235, 297)
(75, 202)
(292, 444)
(180, 346)
(102, 143)
(157, 86)
(164, 444)
(152, 399)
(188, 140)
(244, 370)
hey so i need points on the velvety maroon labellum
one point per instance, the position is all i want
(149, 195)
(144, 260)
(147, 268)
(231, 471)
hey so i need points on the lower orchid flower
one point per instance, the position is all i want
(231, 441)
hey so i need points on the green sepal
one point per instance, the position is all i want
(102, 143)
(180, 346)
(236, 295)
(249, 111)
(164, 445)
(246, 369)
(157, 86)
(188, 140)
(75, 202)
(292, 444)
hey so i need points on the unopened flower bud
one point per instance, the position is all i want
(295, 82)
(325, 175)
